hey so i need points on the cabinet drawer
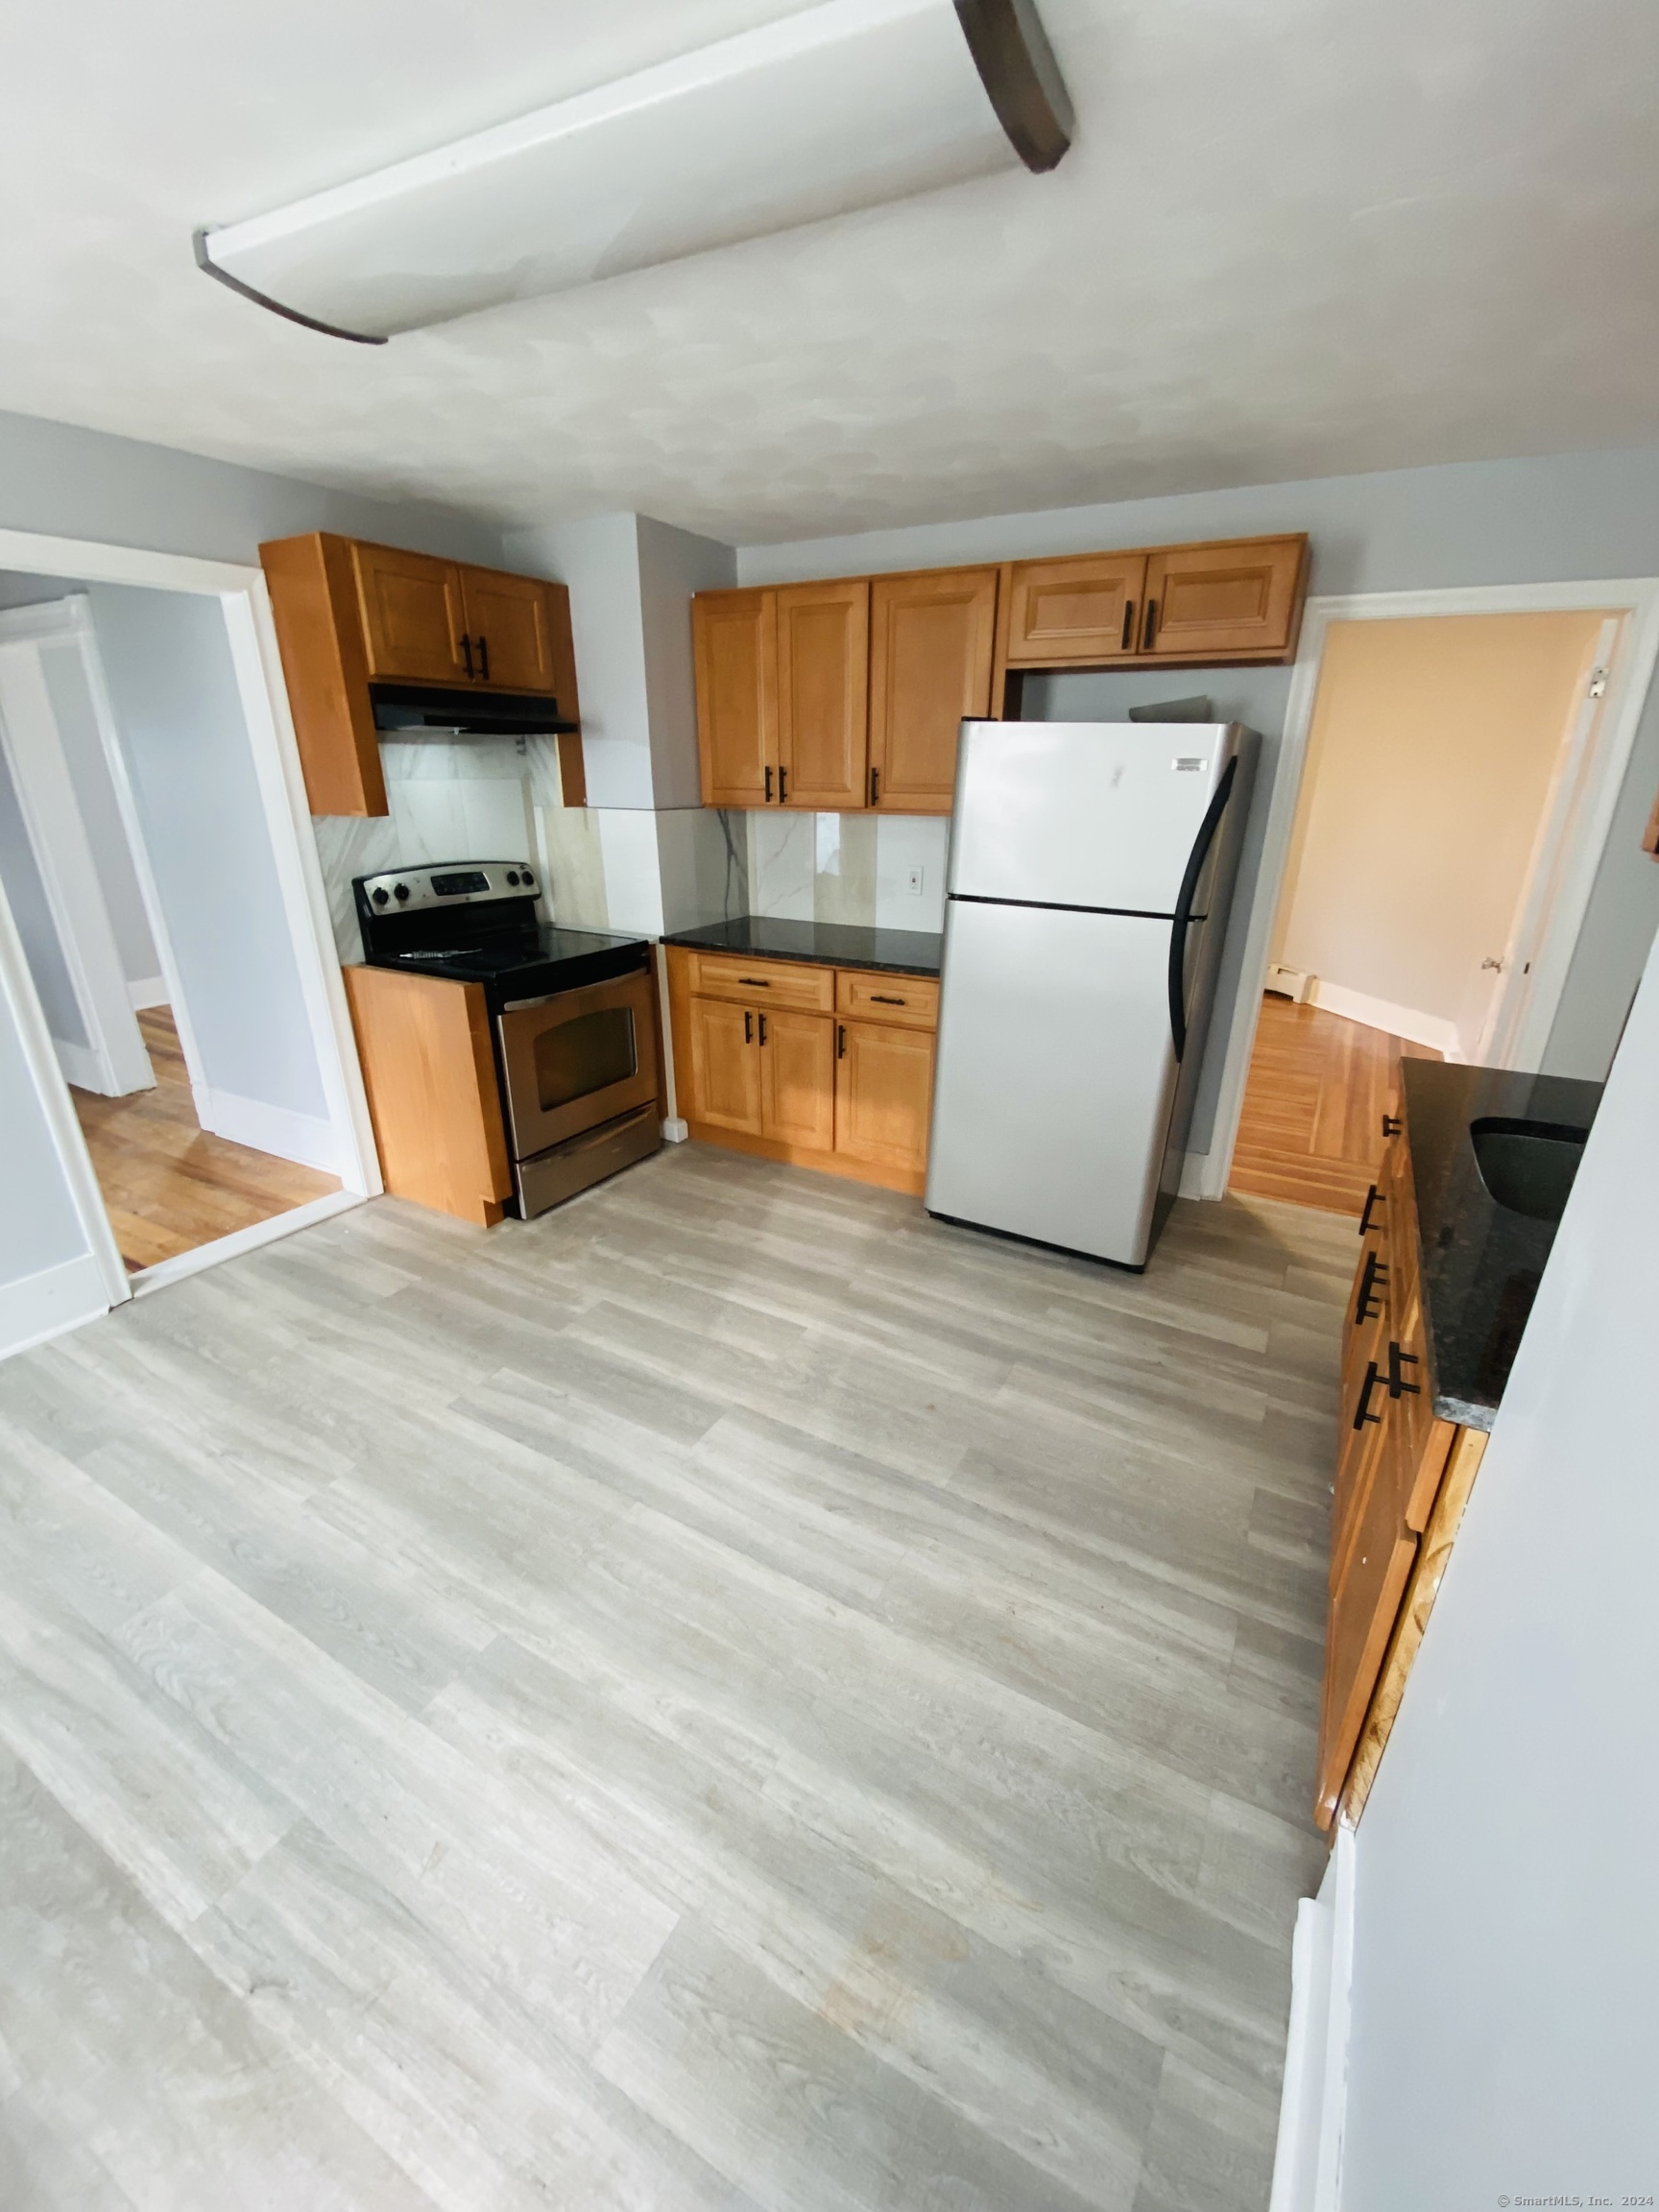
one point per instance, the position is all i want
(910, 1001)
(764, 982)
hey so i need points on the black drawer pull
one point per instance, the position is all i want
(1373, 1375)
(748, 1026)
(1373, 1197)
(1152, 629)
(1128, 625)
(877, 999)
(1391, 1125)
(761, 982)
(1398, 1386)
(1375, 1278)
(840, 1040)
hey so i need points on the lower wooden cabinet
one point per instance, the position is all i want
(429, 1070)
(762, 1062)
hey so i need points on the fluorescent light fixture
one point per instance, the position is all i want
(844, 105)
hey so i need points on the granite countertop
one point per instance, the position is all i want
(1481, 1263)
(826, 943)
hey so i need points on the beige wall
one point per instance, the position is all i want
(1431, 757)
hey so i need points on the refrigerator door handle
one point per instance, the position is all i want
(1183, 919)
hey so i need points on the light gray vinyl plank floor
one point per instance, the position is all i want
(731, 1697)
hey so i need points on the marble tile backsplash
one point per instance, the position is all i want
(854, 868)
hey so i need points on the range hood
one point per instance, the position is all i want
(465, 712)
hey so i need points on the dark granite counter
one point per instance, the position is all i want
(827, 944)
(1481, 1263)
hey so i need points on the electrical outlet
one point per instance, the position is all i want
(913, 883)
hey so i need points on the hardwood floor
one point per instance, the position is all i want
(733, 1694)
(168, 1186)
(1311, 1129)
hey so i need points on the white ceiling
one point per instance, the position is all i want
(1295, 237)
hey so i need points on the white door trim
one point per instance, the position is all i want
(1590, 807)
(114, 1061)
(241, 592)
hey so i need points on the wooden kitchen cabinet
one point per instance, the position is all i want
(883, 1093)
(348, 615)
(1082, 613)
(932, 639)
(762, 1064)
(823, 695)
(1237, 601)
(429, 1071)
(735, 645)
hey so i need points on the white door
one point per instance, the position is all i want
(58, 902)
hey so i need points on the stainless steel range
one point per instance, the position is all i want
(573, 1012)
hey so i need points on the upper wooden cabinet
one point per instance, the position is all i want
(734, 640)
(1076, 614)
(349, 614)
(823, 693)
(1229, 602)
(932, 639)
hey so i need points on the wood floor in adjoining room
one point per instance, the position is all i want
(168, 1186)
(731, 1695)
(1310, 1132)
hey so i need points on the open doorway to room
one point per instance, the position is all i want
(138, 867)
(1449, 765)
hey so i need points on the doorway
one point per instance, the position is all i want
(165, 951)
(1443, 769)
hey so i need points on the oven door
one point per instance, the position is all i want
(578, 1058)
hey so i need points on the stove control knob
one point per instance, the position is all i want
(512, 876)
(381, 896)
(401, 892)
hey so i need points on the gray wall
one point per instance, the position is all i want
(673, 564)
(1506, 1945)
(80, 484)
(36, 925)
(1569, 518)
(65, 669)
(173, 687)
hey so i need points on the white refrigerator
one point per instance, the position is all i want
(1090, 868)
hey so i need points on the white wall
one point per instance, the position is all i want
(1507, 1939)
(1567, 517)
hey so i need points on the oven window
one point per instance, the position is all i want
(583, 1055)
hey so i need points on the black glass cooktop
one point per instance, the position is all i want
(524, 963)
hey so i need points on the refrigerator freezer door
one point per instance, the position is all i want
(1098, 814)
(1055, 1076)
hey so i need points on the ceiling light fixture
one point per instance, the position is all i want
(844, 105)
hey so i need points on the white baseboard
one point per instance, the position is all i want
(1290, 983)
(675, 1131)
(1307, 2162)
(305, 1138)
(47, 1303)
(148, 991)
(1381, 1013)
(81, 1065)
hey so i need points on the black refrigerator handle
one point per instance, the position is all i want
(1183, 920)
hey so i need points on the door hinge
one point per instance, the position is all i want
(1597, 683)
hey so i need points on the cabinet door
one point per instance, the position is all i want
(1368, 1581)
(735, 642)
(412, 615)
(931, 641)
(883, 1093)
(508, 625)
(798, 1079)
(1084, 612)
(1212, 602)
(725, 1065)
(823, 695)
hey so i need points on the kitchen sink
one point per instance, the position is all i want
(1527, 1166)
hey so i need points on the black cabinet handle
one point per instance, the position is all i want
(1373, 1197)
(878, 1000)
(1391, 1125)
(466, 653)
(1152, 629)
(748, 1026)
(782, 785)
(758, 982)
(484, 660)
(1128, 625)
(840, 1040)
(762, 1028)
(875, 785)
(1375, 1277)
(768, 787)
(1373, 1375)
(1398, 1386)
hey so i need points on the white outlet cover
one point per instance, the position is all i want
(913, 883)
